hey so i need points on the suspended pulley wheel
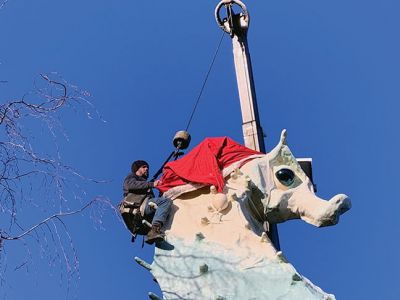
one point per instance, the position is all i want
(181, 140)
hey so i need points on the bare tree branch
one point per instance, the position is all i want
(54, 216)
(33, 176)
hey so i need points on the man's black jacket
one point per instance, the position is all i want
(138, 186)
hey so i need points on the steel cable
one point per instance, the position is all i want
(205, 81)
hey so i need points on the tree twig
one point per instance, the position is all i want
(57, 216)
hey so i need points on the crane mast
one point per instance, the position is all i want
(236, 25)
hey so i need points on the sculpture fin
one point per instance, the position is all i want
(153, 296)
(143, 263)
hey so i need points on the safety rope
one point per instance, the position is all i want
(205, 81)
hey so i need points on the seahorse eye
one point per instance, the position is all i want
(285, 176)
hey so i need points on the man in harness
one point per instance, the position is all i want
(138, 193)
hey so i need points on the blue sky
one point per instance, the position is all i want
(326, 71)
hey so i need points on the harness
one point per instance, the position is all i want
(132, 212)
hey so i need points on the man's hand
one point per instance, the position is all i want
(157, 182)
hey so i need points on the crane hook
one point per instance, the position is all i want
(233, 23)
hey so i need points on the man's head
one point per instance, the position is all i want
(140, 168)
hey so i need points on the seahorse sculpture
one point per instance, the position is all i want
(216, 246)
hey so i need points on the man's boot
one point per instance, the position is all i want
(155, 235)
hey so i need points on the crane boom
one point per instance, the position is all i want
(236, 25)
